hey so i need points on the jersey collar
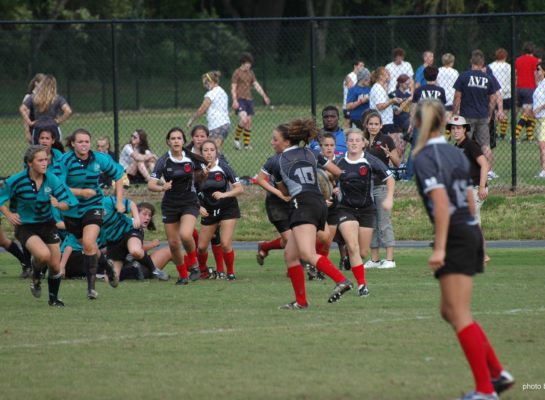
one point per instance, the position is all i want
(359, 160)
(436, 140)
(290, 148)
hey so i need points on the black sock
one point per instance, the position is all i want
(17, 253)
(103, 263)
(27, 257)
(36, 272)
(53, 283)
(91, 263)
(147, 262)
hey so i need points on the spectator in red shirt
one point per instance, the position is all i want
(525, 67)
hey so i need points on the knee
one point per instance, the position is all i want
(89, 247)
(226, 246)
(174, 244)
(137, 254)
(202, 249)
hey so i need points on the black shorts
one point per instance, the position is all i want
(117, 251)
(215, 216)
(464, 253)
(172, 215)
(389, 128)
(75, 267)
(75, 225)
(364, 216)
(308, 208)
(47, 231)
(277, 210)
(333, 215)
(245, 105)
(525, 97)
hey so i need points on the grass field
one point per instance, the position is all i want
(227, 340)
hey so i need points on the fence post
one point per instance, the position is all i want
(513, 109)
(114, 92)
(313, 66)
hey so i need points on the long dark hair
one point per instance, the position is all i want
(193, 156)
(144, 145)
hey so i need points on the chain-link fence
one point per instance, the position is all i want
(119, 76)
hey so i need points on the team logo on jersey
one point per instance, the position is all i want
(96, 167)
(363, 170)
(47, 189)
(56, 236)
(97, 213)
(218, 177)
(187, 168)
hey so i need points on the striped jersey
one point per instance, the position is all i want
(115, 224)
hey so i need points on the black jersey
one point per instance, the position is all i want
(356, 180)
(182, 174)
(440, 165)
(219, 179)
(296, 168)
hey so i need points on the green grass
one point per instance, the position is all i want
(218, 339)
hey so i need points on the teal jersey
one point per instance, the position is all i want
(84, 174)
(55, 158)
(71, 241)
(33, 204)
(114, 224)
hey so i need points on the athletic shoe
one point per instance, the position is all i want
(293, 306)
(231, 277)
(220, 275)
(56, 303)
(339, 290)
(161, 275)
(363, 291)
(25, 272)
(92, 294)
(372, 264)
(261, 254)
(247, 147)
(113, 279)
(386, 264)
(541, 174)
(194, 273)
(504, 382)
(312, 272)
(320, 276)
(36, 289)
(480, 396)
(346, 264)
(237, 144)
(182, 281)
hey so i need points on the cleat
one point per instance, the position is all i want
(113, 279)
(346, 264)
(139, 274)
(36, 289)
(26, 272)
(92, 294)
(231, 277)
(320, 276)
(363, 291)
(480, 396)
(194, 273)
(220, 275)
(293, 306)
(387, 264)
(161, 275)
(56, 303)
(504, 382)
(205, 274)
(372, 264)
(182, 281)
(236, 144)
(339, 290)
(312, 272)
(261, 254)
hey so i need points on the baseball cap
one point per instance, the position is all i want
(363, 74)
(403, 78)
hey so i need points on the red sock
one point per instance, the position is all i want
(322, 248)
(218, 256)
(494, 364)
(196, 237)
(472, 343)
(191, 258)
(297, 277)
(359, 274)
(326, 266)
(229, 261)
(182, 271)
(274, 244)
(203, 258)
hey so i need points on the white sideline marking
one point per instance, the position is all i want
(103, 338)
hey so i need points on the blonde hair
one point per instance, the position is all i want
(357, 131)
(448, 58)
(430, 118)
(34, 82)
(212, 76)
(46, 92)
(376, 74)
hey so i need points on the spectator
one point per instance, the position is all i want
(137, 158)
(349, 81)
(216, 106)
(475, 93)
(32, 86)
(104, 146)
(241, 90)
(539, 112)
(398, 67)
(330, 119)
(357, 100)
(402, 114)
(445, 78)
(419, 79)
(380, 101)
(525, 67)
(502, 72)
(48, 109)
